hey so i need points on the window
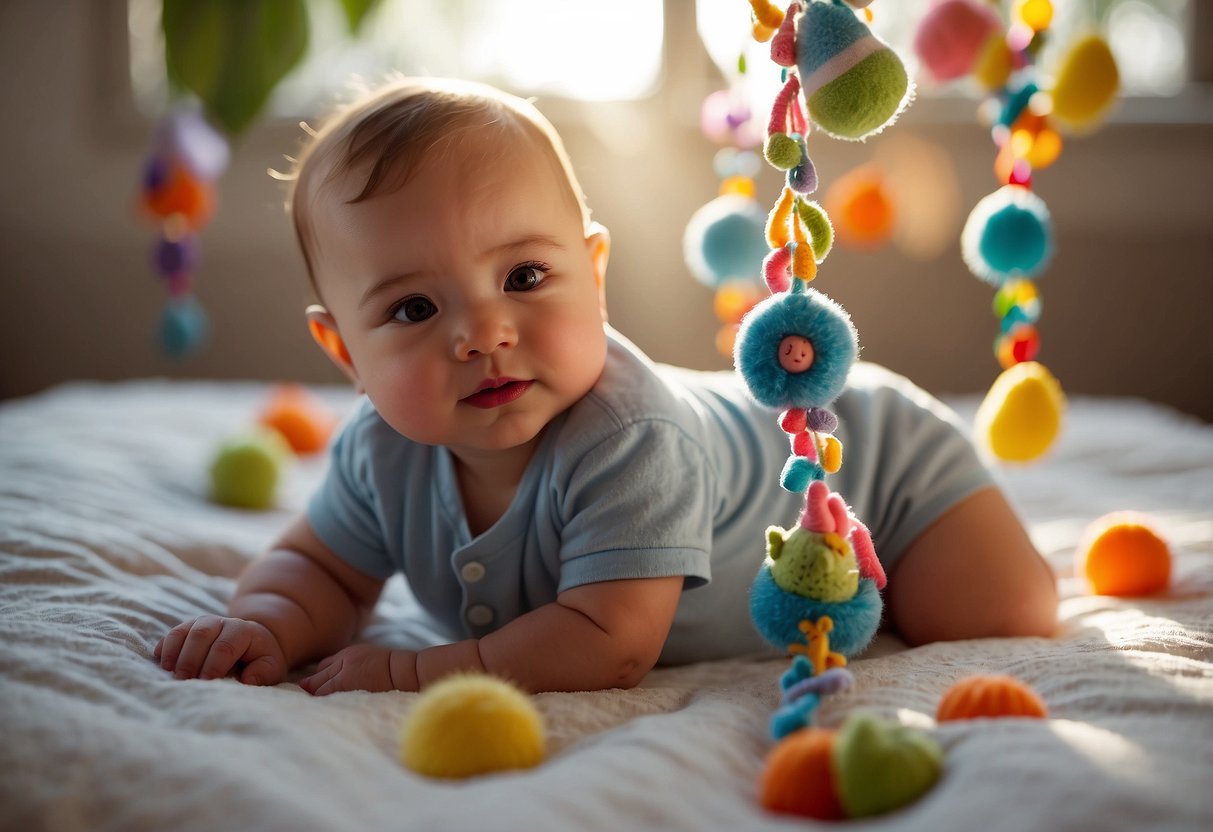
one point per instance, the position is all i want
(589, 52)
(1148, 37)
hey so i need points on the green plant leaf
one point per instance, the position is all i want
(232, 53)
(356, 12)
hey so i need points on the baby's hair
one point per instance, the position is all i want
(390, 130)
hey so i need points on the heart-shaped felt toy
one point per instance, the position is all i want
(881, 766)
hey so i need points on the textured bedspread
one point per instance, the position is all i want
(107, 539)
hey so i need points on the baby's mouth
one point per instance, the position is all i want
(494, 392)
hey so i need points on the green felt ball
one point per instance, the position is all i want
(881, 766)
(782, 151)
(864, 99)
(247, 468)
(821, 231)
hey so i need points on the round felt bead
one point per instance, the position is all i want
(170, 257)
(183, 327)
(782, 151)
(1008, 234)
(812, 315)
(952, 36)
(725, 239)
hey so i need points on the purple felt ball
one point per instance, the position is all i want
(173, 257)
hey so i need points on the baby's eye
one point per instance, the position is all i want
(525, 278)
(414, 309)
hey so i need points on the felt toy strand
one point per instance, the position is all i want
(777, 221)
(781, 118)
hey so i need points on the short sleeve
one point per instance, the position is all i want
(910, 461)
(638, 505)
(345, 512)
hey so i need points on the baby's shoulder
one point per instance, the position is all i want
(877, 399)
(631, 397)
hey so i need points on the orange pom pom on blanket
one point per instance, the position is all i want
(300, 417)
(1121, 554)
(975, 697)
(799, 776)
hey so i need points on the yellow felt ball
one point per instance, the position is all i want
(994, 63)
(1121, 554)
(1021, 414)
(471, 724)
(1086, 84)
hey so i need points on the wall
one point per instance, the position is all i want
(1128, 298)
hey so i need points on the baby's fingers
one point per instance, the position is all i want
(197, 646)
(264, 670)
(320, 682)
(169, 647)
(229, 646)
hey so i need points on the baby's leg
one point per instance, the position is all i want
(972, 574)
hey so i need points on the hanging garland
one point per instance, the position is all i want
(1007, 240)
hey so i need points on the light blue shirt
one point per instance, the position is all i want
(658, 471)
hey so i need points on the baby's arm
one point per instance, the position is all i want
(973, 573)
(294, 604)
(595, 636)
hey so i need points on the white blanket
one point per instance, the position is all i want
(107, 539)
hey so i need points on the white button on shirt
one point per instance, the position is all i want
(472, 571)
(480, 615)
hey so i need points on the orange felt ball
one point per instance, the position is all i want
(303, 422)
(861, 207)
(799, 778)
(182, 194)
(1123, 555)
(993, 695)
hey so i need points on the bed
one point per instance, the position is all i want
(107, 539)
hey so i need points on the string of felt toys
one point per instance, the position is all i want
(177, 195)
(817, 592)
(1007, 240)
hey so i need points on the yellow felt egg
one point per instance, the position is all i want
(994, 63)
(1021, 414)
(471, 724)
(1086, 84)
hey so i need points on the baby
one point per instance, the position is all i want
(568, 511)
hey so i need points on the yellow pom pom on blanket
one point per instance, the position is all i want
(471, 724)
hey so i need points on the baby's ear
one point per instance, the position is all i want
(598, 243)
(323, 327)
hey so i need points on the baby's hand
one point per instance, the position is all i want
(208, 647)
(363, 667)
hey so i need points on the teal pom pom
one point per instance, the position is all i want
(777, 614)
(726, 240)
(183, 327)
(1008, 235)
(809, 314)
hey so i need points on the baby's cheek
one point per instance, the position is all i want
(410, 399)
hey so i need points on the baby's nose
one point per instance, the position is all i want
(485, 330)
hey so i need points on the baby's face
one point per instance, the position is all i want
(468, 299)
